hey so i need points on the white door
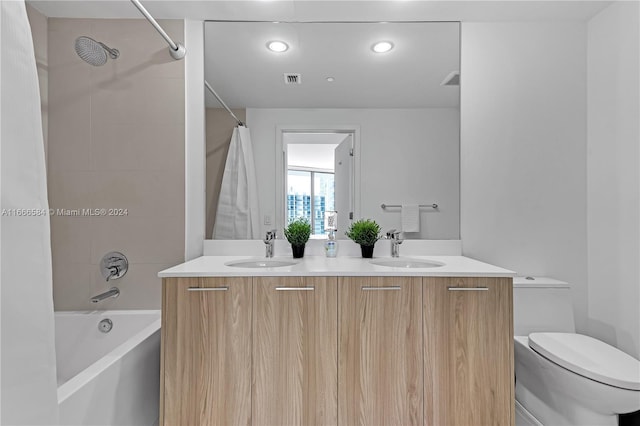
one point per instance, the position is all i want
(343, 180)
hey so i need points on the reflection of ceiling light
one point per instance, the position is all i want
(331, 79)
(382, 46)
(277, 46)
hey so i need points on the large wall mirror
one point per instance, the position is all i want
(337, 125)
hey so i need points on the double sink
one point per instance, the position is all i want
(384, 262)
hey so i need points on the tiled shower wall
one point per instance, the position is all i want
(116, 141)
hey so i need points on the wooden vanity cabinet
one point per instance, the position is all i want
(264, 351)
(295, 366)
(468, 351)
(206, 352)
(380, 351)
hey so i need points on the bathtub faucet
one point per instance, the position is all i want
(114, 271)
(113, 292)
(113, 265)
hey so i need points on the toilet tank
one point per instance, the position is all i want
(541, 304)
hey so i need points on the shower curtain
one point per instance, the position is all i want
(238, 213)
(28, 370)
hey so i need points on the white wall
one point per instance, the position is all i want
(408, 156)
(613, 181)
(523, 150)
(195, 145)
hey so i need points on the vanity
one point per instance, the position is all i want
(337, 341)
(419, 340)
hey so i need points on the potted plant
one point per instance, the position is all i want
(364, 232)
(297, 233)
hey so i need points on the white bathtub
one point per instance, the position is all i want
(108, 378)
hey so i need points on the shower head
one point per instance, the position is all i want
(93, 52)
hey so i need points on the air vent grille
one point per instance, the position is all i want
(292, 78)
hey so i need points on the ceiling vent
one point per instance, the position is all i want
(291, 78)
(453, 79)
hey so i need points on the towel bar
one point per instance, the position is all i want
(433, 206)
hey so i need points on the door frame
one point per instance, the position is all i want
(280, 198)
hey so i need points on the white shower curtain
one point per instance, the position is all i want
(238, 213)
(28, 370)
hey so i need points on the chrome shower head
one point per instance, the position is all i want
(93, 52)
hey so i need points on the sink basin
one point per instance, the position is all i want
(260, 263)
(406, 263)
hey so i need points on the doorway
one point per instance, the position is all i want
(318, 176)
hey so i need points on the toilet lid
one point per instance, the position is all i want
(588, 357)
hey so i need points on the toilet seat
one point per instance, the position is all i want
(588, 357)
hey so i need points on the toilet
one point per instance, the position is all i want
(565, 378)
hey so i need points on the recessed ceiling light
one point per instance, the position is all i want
(382, 46)
(331, 79)
(277, 46)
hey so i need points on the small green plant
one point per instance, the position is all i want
(298, 231)
(364, 232)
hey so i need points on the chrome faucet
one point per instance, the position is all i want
(114, 271)
(112, 293)
(269, 240)
(113, 265)
(394, 236)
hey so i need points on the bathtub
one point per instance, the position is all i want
(108, 378)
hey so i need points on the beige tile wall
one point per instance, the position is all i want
(220, 126)
(116, 140)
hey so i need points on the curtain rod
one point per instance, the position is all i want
(213, 92)
(177, 50)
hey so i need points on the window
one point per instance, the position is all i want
(310, 194)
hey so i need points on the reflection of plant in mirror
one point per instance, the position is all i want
(298, 231)
(364, 232)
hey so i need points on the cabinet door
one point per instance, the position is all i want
(380, 351)
(206, 351)
(294, 353)
(468, 349)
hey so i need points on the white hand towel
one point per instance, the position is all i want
(410, 218)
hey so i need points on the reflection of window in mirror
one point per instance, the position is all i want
(312, 166)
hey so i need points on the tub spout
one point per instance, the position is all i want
(113, 292)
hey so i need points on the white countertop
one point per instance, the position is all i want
(454, 266)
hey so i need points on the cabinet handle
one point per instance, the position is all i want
(467, 288)
(392, 287)
(208, 288)
(295, 288)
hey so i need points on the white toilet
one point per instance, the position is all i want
(564, 378)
